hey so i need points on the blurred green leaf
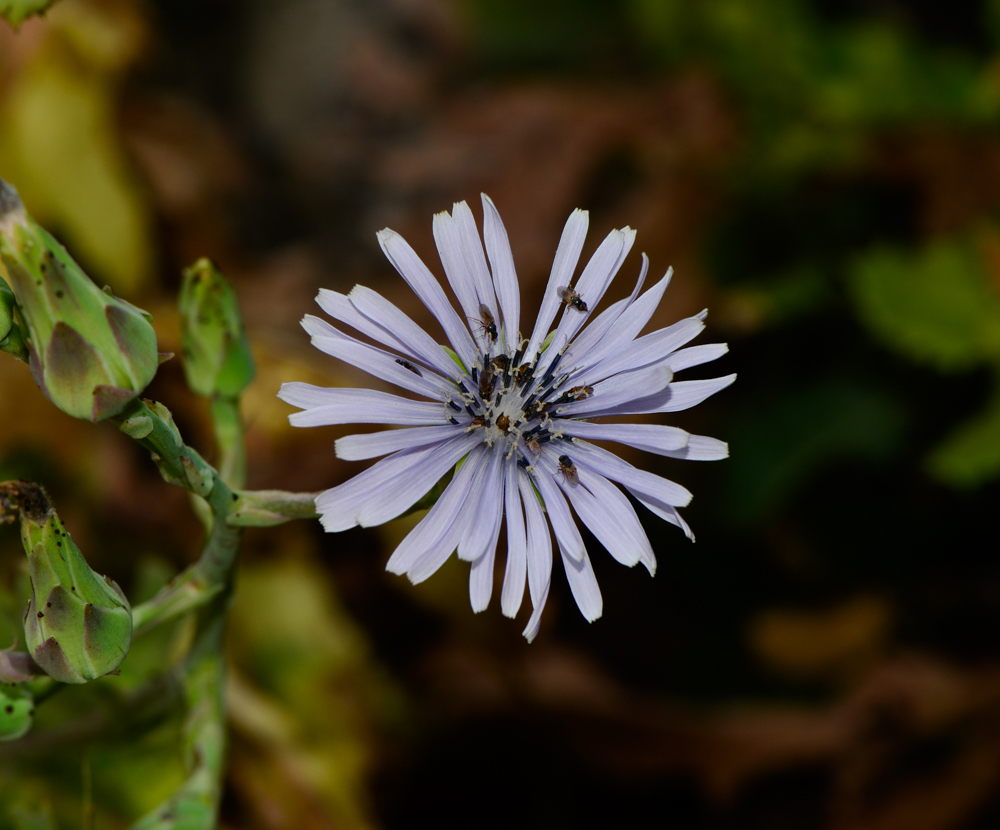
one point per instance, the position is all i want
(812, 94)
(970, 455)
(935, 306)
(59, 142)
(316, 691)
(17, 11)
(776, 450)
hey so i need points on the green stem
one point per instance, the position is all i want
(198, 585)
(229, 436)
(208, 584)
(195, 804)
(186, 592)
(266, 508)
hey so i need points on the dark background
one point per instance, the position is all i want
(823, 176)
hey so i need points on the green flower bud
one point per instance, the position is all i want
(217, 358)
(78, 625)
(90, 352)
(17, 712)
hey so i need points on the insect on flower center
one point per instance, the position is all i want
(515, 405)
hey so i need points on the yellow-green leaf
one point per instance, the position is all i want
(17, 11)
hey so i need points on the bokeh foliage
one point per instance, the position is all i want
(825, 179)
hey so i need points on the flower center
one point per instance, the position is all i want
(509, 402)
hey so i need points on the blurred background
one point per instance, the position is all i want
(823, 176)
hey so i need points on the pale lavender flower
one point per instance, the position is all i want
(513, 417)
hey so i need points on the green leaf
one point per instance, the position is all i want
(971, 454)
(16, 11)
(935, 306)
(777, 449)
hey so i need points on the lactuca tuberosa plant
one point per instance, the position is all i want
(90, 352)
(78, 624)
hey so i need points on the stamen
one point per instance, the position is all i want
(552, 366)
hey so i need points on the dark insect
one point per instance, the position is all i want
(500, 363)
(570, 297)
(407, 365)
(503, 424)
(577, 393)
(568, 469)
(486, 378)
(488, 322)
(478, 421)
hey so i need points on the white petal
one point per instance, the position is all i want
(640, 482)
(696, 355)
(629, 543)
(563, 268)
(626, 328)
(652, 348)
(517, 563)
(475, 260)
(597, 276)
(449, 245)
(687, 393)
(567, 533)
(598, 327)
(594, 279)
(668, 513)
(380, 311)
(481, 580)
(326, 407)
(619, 391)
(583, 584)
(424, 284)
(539, 553)
(504, 275)
(485, 525)
(340, 307)
(702, 448)
(374, 444)
(390, 502)
(679, 395)
(371, 359)
(428, 546)
(655, 438)
(339, 506)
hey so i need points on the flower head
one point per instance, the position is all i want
(513, 417)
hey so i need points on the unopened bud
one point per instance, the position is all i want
(78, 625)
(217, 358)
(17, 712)
(90, 352)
